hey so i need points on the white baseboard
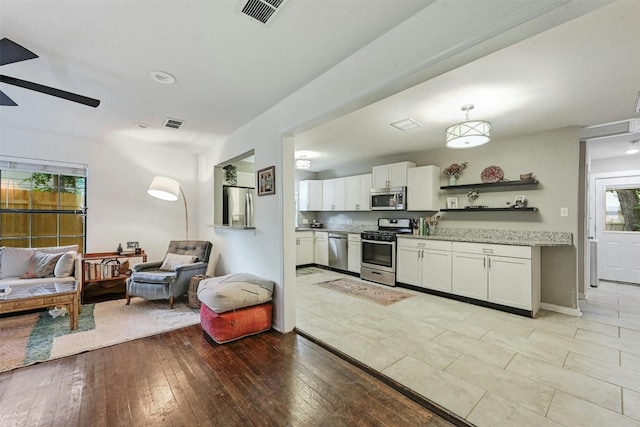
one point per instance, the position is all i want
(560, 309)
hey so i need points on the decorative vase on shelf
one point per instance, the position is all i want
(452, 180)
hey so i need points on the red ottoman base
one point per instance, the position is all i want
(233, 325)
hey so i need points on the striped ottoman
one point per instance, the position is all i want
(235, 306)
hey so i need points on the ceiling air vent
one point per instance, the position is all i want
(260, 10)
(173, 123)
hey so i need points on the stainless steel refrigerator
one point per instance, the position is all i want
(238, 206)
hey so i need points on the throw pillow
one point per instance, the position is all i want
(173, 261)
(14, 261)
(41, 265)
(65, 264)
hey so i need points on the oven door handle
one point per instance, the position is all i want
(378, 242)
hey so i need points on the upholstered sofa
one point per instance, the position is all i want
(31, 266)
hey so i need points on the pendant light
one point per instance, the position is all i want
(303, 162)
(470, 133)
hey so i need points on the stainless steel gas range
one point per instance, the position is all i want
(378, 262)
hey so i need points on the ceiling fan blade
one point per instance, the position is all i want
(6, 101)
(91, 102)
(11, 51)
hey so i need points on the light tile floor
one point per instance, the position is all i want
(490, 367)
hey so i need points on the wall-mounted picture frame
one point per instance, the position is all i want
(452, 203)
(266, 181)
(519, 202)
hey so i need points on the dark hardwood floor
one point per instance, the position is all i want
(180, 379)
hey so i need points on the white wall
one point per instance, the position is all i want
(616, 164)
(118, 206)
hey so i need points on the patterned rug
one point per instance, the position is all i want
(375, 293)
(35, 337)
(305, 271)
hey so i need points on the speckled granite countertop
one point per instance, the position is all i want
(474, 235)
(500, 237)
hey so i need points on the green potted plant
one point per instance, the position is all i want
(231, 174)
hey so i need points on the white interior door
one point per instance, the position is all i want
(617, 215)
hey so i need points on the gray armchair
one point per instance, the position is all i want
(148, 281)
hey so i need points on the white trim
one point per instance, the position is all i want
(560, 309)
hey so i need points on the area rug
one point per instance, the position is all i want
(366, 291)
(305, 271)
(35, 337)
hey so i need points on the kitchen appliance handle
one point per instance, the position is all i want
(248, 209)
(378, 242)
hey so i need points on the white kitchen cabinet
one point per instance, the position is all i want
(321, 248)
(469, 275)
(333, 194)
(246, 179)
(358, 192)
(354, 252)
(304, 248)
(424, 263)
(501, 274)
(423, 188)
(391, 175)
(310, 195)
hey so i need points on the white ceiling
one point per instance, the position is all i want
(230, 69)
(584, 72)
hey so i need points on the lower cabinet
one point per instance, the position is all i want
(501, 274)
(321, 248)
(354, 252)
(426, 264)
(304, 247)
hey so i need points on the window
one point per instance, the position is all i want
(622, 209)
(42, 203)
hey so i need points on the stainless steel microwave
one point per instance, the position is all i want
(389, 199)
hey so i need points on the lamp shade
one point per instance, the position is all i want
(164, 188)
(468, 134)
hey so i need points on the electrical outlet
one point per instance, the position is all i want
(305, 221)
(564, 211)
(350, 221)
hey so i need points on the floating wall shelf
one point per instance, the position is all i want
(491, 210)
(492, 185)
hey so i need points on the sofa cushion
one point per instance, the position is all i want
(153, 276)
(65, 264)
(14, 261)
(41, 265)
(233, 291)
(173, 261)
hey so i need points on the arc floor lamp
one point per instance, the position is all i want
(165, 188)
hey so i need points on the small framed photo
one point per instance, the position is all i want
(519, 202)
(452, 203)
(267, 181)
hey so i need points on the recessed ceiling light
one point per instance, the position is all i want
(634, 149)
(141, 125)
(163, 77)
(406, 124)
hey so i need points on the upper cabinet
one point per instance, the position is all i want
(245, 179)
(391, 175)
(358, 190)
(422, 188)
(310, 195)
(334, 194)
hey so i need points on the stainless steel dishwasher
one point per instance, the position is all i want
(338, 251)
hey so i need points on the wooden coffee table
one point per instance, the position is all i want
(45, 295)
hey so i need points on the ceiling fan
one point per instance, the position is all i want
(11, 52)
